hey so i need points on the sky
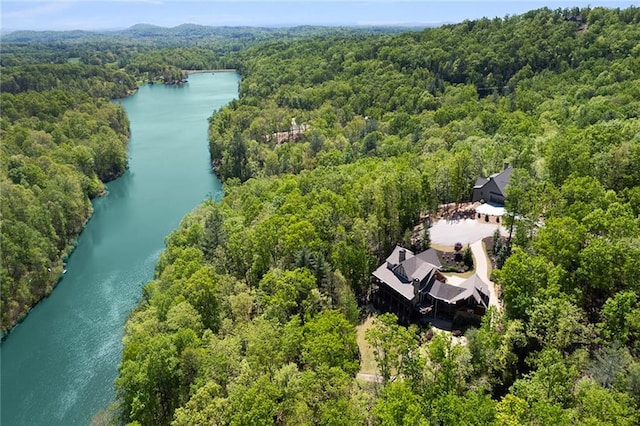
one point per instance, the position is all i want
(119, 14)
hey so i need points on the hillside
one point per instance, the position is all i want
(251, 318)
(342, 139)
(61, 140)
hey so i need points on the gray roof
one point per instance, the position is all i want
(387, 276)
(501, 179)
(400, 275)
(445, 292)
(430, 256)
(416, 268)
(476, 282)
(422, 267)
(480, 182)
(394, 257)
(476, 288)
(472, 287)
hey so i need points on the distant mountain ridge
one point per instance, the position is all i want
(187, 30)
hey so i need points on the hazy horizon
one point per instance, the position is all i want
(95, 15)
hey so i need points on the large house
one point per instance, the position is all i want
(494, 188)
(412, 286)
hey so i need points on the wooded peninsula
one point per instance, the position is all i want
(342, 146)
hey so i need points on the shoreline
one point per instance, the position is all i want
(60, 268)
(61, 263)
(189, 72)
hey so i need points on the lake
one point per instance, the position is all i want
(59, 364)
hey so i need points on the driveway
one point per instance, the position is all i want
(466, 231)
(482, 269)
(469, 231)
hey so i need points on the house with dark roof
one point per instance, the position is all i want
(412, 286)
(494, 188)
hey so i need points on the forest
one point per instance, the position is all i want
(336, 146)
(153, 53)
(62, 139)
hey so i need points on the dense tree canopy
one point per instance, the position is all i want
(337, 144)
(332, 151)
(61, 139)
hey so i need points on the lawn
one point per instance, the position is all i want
(367, 362)
(441, 247)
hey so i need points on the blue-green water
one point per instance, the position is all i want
(59, 365)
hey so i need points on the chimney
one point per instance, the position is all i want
(402, 255)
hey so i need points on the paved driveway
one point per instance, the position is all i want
(469, 231)
(466, 231)
(482, 269)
